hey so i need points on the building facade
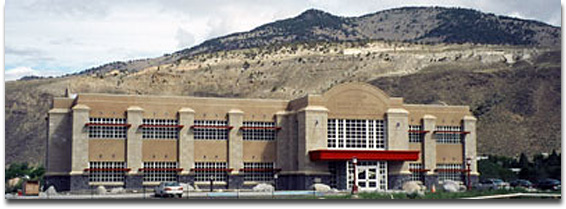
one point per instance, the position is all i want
(133, 141)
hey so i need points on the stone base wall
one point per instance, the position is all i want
(133, 181)
(396, 181)
(79, 183)
(235, 181)
(60, 183)
(431, 180)
(300, 181)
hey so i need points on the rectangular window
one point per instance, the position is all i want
(414, 135)
(449, 172)
(356, 134)
(163, 132)
(207, 170)
(106, 171)
(258, 172)
(159, 171)
(105, 128)
(211, 130)
(416, 172)
(259, 131)
(448, 134)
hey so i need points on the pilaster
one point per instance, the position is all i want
(429, 144)
(312, 136)
(79, 151)
(134, 139)
(470, 143)
(397, 136)
(186, 140)
(235, 143)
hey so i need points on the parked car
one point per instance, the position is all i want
(169, 189)
(521, 183)
(551, 184)
(492, 184)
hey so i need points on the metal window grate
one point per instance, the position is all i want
(211, 133)
(448, 138)
(259, 134)
(217, 175)
(416, 175)
(415, 137)
(160, 132)
(106, 175)
(455, 175)
(356, 134)
(259, 176)
(159, 175)
(107, 132)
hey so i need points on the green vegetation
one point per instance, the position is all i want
(22, 171)
(428, 195)
(541, 167)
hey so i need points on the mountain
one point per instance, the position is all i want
(513, 87)
(430, 25)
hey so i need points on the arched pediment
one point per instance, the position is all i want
(356, 100)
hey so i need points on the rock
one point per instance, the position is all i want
(321, 188)
(414, 189)
(118, 190)
(100, 190)
(13, 182)
(450, 186)
(462, 188)
(263, 188)
(334, 190)
(51, 191)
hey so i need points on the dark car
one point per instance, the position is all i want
(551, 184)
(522, 183)
(492, 184)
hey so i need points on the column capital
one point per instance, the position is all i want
(311, 108)
(429, 117)
(235, 112)
(81, 107)
(186, 110)
(135, 109)
(400, 111)
(470, 118)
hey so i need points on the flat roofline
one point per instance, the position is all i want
(437, 105)
(180, 97)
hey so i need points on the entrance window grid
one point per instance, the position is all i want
(107, 132)
(159, 175)
(415, 137)
(381, 174)
(218, 175)
(333, 169)
(455, 175)
(160, 132)
(259, 176)
(416, 175)
(211, 133)
(259, 134)
(448, 138)
(106, 176)
(356, 134)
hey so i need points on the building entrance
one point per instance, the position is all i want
(371, 175)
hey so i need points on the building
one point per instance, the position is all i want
(133, 141)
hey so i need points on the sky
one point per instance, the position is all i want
(55, 37)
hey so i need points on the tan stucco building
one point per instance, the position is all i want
(133, 141)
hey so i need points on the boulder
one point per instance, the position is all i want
(450, 186)
(51, 191)
(100, 190)
(117, 190)
(414, 188)
(321, 187)
(263, 188)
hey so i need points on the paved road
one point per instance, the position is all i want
(186, 195)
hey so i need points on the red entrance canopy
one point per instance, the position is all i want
(339, 155)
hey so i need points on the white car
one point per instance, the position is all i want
(169, 189)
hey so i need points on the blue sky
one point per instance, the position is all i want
(54, 37)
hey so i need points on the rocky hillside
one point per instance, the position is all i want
(514, 90)
(410, 24)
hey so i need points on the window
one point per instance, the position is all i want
(160, 132)
(217, 130)
(448, 138)
(216, 170)
(415, 136)
(105, 130)
(259, 134)
(416, 172)
(360, 134)
(106, 171)
(258, 172)
(159, 171)
(449, 172)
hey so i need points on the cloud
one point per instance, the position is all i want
(19, 72)
(184, 38)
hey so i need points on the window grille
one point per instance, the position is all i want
(106, 175)
(416, 175)
(415, 137)
(107, 132)
(211, 133)
(356, 134)
(160, 132)
(259, 134)
(259, 175)
(455, 175)
(218, 175)
(157, 175)
(448, 138)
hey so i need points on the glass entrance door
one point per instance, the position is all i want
(367, 177)
(371, 175)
